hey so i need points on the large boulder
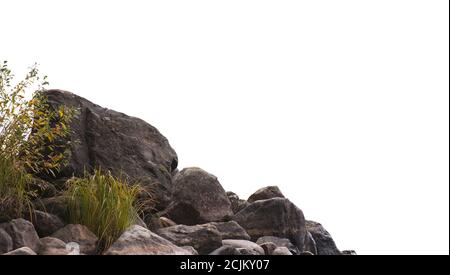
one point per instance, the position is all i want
(114, 141)
(79, 234)
(22, 233)
(137, 240)
(203, 238)
(52, 246)
(198, 198)
(274, 217)
(324, 242)
(265, 193)
(6, 243)
(56, 206)
(46, 223)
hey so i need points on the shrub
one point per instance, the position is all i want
(27, 127)
(105, 204)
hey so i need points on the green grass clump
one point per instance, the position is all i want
(103, 203)
(14, 198)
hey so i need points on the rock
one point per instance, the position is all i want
(306, 253)
(25, 251)
(310, 244)
(273, 217)
(204, 238)
(245, 247)
(198, 198)
(6, 243)
(56, 206)
(137, 240)
(279, 242)
(79, 234)
(42, 189)
(324, 243)
(190, 249)
(281, 251)
(236, 203)
(140, 222)
(265, 193)
(52, 246)
(231, 230)
(166, 222)
(349, 252)
(114, 141)
(46, 223)
(22, 233)
(225, 250)
(268, 248)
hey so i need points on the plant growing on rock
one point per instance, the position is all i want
(27, 127)
(107, 205)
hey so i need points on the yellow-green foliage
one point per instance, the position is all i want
(27, 128)
(103, 203)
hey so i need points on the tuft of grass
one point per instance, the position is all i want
(14, 196)
(105, 204)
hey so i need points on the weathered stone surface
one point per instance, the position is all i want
(190, 250)
(79, 234)
(281, 251)
(310, 244)
(22, 233)
(225, 250)
(268, 247)
(349, 252)
(265, 193)
(231, 230)
(273, 217)
(236, 203)
(24, 251)
(198, 198)
(114, 141)
(324, 242)
(55, 205)
(52, 246)
(137, 240)
(279, 242)
(203, 238)
(46, 223)
(244, 247)
(6, 243)
(42, 189)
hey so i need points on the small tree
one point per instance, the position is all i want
(28, 128)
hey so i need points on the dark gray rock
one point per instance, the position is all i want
(137, 240)
(279, 242)
(268, 247)
(244, 247)
(273, 217)
(231, 230)
(79, 234)
(237, 204)
(116, 142)
(203, 238)
(310, 244)
(46, 223)
(281, 251)
(324, 242)
(23, 251)
(6, 243)
(22, 233)
(198, 198)
(55, 205)
(265, 193)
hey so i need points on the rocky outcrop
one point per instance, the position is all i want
(279, 242)
(6, 243)
(79, 234)
(198, 198)
(137, 240)
(22, 234)
(46, 223)
(266, 193)
(274, 217)
(114, 141)
(52, 246)
(203, 238)
(324, 242)
(231, 230)
(237, 204)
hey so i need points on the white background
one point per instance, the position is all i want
(342, 104)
